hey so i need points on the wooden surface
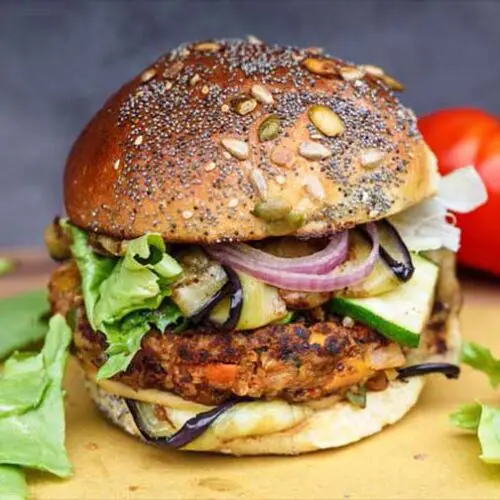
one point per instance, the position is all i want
(420, 457)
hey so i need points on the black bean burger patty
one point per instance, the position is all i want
(296, 362)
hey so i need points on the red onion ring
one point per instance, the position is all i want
(303, 282)
(320, 262)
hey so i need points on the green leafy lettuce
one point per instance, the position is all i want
(21, 321)
(12, 483)
(477, 417)
(481, 359)
(123, 297)
(32, 427)
(485, 421)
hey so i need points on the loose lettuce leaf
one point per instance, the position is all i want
(21, 321)
(12, 483)
(481, 359)
(6, 266)
(124, 297)
(35, 439)
(485, 420)
(22, 384)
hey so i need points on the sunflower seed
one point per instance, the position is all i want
(233, 203)
(149, 74)
(187, 214)
(325, 120)
(243, 105)
(372, 70)
(313, 151)
(269, 129)
(323, 67)
(210, 166)
(282, 156)
(371, 158)
(253, 39)
(261, 94)
(138, 140)
(314, 187)
(272, 210)
(280, 179)
(235, 147)
(194, 79)
(259, 183)
(207, 47)
(349, 73)
(116, 165)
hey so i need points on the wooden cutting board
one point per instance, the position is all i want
(420, 457)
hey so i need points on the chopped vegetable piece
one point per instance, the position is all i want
(12, 483)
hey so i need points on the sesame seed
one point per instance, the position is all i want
(226, 155)
(225, 108)
(210, 166)
(116, 165)
(168, 85)
(187, 214)
(194, 79)
(280, 179)
(233, 203)
(347, 322)
(138, 140)
(205, 89)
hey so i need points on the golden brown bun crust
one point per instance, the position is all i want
(152, 158)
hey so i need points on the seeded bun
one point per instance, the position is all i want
(221, 141)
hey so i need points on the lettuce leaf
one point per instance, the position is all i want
(12, 483)
(123, 297)
(22, 384)
(21, 321)
(485, 420)
(35, 438)
(481, 359)
(426, 226)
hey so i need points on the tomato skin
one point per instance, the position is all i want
(465, 136)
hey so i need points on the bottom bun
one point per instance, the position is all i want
(277, 427)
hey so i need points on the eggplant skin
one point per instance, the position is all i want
(297, 362)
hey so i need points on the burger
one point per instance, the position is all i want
(258, 254)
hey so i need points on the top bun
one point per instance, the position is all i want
(239, 140)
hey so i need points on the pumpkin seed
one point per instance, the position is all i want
(323, 67)
(371, 158)
(269, 128)
(325, 120)
(259, 183)
(261, 94)
(282, 156)
(207, 47)
(272, 210)
(313, 151)
(392, 83)
(293, 221)
(349, 73)
(243, 105)
(235, 147)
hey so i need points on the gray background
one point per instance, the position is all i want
(60, 60)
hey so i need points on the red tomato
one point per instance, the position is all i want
(461, 137)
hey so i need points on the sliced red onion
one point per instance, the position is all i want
(298, 281)
(320, 262)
